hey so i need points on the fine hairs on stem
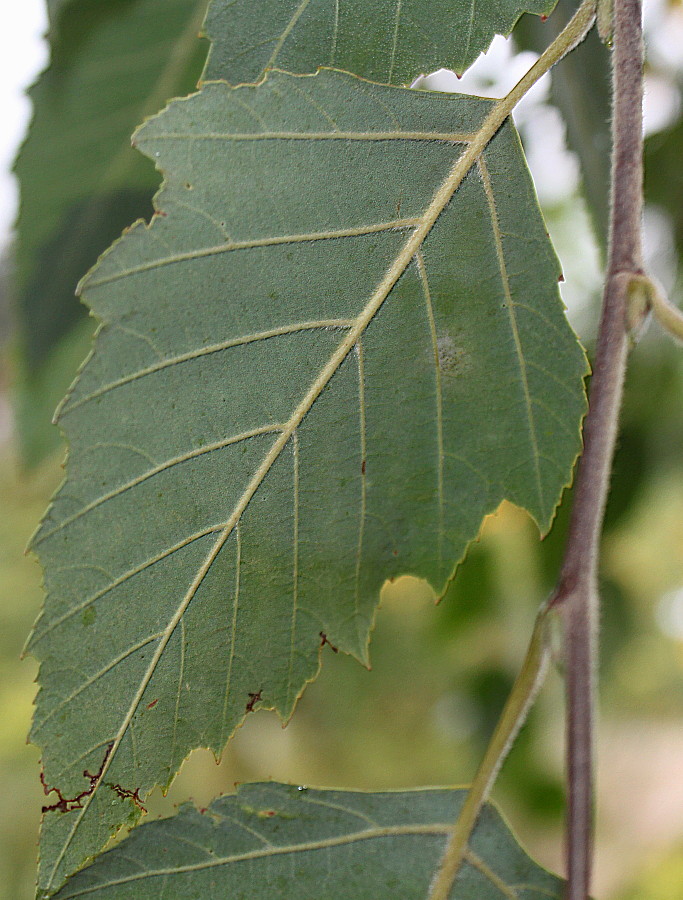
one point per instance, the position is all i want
(576, 596)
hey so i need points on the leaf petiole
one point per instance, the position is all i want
(523, 693)
(646, 294)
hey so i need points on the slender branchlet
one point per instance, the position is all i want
(577, 592)
(523, 693)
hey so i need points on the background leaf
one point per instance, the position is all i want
(663, 175)
(81, 182)
(259, 440)
(580, 88)
(279, 841)
(390, 41)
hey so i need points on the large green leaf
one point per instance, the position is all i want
(81, 182)
(390, 41)
(289, 843)
(330, 355)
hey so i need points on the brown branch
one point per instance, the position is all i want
(577, 592)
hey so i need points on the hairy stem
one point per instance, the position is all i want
(569, 38)
(577, 592)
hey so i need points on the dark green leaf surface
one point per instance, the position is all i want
(81, 182)
(277, 841)
(307, 381)
(391, 41)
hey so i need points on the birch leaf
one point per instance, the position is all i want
(334, 350)
(390, 41)
(272, 840)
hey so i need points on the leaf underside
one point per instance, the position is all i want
(81, 182)
(390, 41)
(298, 391)
(279, 841)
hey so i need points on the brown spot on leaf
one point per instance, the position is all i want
(66, 804)
(324, 640)
(127, 795)
(253, 700)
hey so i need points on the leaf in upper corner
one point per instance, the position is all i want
(390, 41)
(81, 182)
(274, 840)
(330, 355)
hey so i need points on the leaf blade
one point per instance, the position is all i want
(391, 41)
(326, 843)
(340, 468)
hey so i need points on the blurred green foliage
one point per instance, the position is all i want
(580, 90)
(21, 504)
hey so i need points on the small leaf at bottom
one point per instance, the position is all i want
(279, 841)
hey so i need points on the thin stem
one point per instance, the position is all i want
(669, 316)
(647, 295)
(577, 591)
(523, 693)
(570, 37)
